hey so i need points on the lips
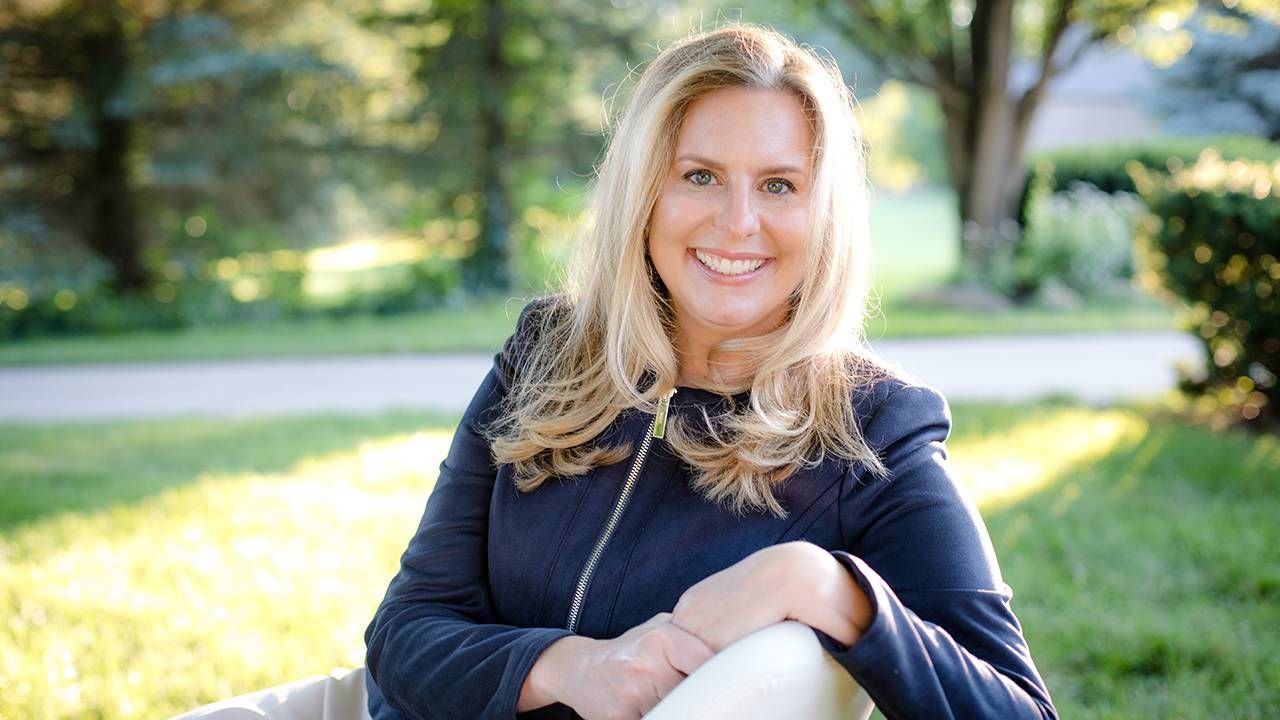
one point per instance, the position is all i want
(723, 279)
(728, 266)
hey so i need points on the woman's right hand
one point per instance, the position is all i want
(623, 678)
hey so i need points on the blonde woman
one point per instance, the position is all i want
(692, 442)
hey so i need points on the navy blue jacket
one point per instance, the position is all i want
(487, 581)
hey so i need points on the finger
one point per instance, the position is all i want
(658, 677)
(685, 651)
(649, 625)
(708, 633)
(659, 618)
(664, 680)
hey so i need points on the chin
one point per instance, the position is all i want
(721, 320)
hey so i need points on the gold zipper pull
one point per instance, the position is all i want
(660, 417)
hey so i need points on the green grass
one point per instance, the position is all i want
(914, 247)
(913, 240)
(481, 327)
(900, 320)
(149, 567)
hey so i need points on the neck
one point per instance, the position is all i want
(693, 350)
(693, 358)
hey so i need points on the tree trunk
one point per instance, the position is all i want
(111, 219)
(487, 269)
(984, 139)
(966, 65)
(987, 178)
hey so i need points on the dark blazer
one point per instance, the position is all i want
(488, 579)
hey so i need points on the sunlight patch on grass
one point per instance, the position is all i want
(234, 582)
(999, 470)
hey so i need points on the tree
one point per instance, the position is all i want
(499, 76)
(96, 96)
(964, 52)
(1228, 82)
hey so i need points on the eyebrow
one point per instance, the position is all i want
(780, 169)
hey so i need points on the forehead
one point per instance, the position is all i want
(748, 123)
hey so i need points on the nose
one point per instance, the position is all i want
(737, 215)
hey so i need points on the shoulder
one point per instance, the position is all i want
(893, 403)
(537, 311)
(917, 526)
(534, 318)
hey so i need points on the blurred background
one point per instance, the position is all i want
(256, 257)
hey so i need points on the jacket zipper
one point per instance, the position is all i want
(657, 429)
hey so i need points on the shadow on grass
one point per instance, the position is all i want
(48, 470)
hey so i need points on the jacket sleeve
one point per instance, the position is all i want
(434, 649)
(943, 642)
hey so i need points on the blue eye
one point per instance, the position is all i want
(696, 173)
(773, 183)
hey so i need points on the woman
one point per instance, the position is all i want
(692, 442)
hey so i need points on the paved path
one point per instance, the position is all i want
(1096, 368)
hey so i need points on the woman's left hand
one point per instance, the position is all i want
(763, 588)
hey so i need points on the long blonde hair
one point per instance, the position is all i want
(604, 344)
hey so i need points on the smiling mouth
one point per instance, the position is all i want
(729, 268)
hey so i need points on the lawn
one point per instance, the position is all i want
(914, 247)
(153, 566)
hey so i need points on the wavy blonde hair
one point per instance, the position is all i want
(605, 343)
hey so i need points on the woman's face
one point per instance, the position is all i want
(729, 231)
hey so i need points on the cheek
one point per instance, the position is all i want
(664, 245)
(791, 235)
(674, 217)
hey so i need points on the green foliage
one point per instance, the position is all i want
(1106, 167)
(1081, 238)
(988, 258)
(148, 109)
(902, 125)
(172, 306)
(1214, 243)
(425, 285)
(505, 97)
(921, 136)
(1228, 81)
(268, 297)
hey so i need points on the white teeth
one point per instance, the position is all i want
(728, 267)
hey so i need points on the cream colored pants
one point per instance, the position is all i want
(338, 696)
(778, 672)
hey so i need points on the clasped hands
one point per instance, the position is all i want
(627, 676)
(766, 587)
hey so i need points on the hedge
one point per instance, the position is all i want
(1107, 168)
(1213, 240)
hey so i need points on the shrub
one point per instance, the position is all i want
(429, 284)
(989, 259)
(252, 287)
(99, 310)
(1213, 240)
(1083, 238)
(1106, 168)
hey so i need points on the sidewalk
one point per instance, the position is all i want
(1096, 368)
